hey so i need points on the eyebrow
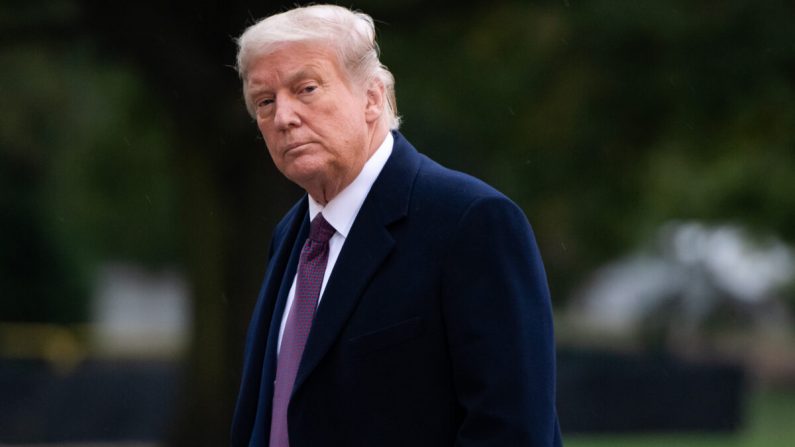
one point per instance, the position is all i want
(256, 91)
(304, 73)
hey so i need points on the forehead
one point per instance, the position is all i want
(288, 60)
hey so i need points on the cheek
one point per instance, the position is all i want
(266, 132)
(263, 129)
(267, 136)
(344, 124)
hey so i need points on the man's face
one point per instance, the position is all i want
(311, 115)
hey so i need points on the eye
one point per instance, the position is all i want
(309, 88)
(263, 107)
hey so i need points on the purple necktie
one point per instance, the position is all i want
(311, 267)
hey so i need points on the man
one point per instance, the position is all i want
(404, 304)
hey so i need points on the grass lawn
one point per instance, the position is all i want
(770, 422)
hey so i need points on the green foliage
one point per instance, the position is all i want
(85, 176)
(604, 119)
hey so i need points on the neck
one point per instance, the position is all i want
(324, 191)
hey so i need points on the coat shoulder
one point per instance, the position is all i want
(452, 190)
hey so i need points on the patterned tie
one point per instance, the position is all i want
(311, 267)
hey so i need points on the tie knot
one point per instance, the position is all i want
(320, 230)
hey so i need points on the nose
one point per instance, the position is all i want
(286, 115)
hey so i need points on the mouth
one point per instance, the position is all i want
(293, 146)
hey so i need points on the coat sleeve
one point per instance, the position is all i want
(499, 325)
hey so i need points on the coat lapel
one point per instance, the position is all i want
(259, 361)
(368, 244)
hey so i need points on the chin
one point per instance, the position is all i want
(303, 176)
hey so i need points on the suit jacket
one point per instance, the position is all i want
(434, 329)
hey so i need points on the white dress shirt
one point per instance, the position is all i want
(340, 212)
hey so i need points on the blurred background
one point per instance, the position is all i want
(651, 144)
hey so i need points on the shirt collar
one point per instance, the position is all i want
(341, 211)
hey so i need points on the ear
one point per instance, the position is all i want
(376, 99)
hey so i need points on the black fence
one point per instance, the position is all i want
(136, 400)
